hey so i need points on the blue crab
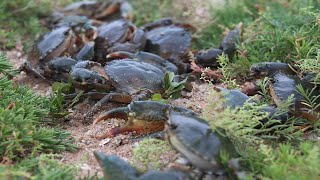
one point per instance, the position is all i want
(170, 40)
(188, 134)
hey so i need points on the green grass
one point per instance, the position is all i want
(148, 155)
(46, 166)
(233, 12)
(286, 161)
(20, 21)
(281, 34)
(23, 133)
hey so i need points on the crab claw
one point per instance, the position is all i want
(143, 117)
(115, 113)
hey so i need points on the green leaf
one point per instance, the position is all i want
(168, 78)
(156, 97)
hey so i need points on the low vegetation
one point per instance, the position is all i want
(26, 142)
(149, 154)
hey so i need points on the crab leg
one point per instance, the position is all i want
(26, 66)
(115, 113)
(132, 125)
(117, 97)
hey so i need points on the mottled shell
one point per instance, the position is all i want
(132, 76)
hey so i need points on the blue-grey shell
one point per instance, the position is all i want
(113, 32)
(132, 76)
(196, 135)
(51, 41)
(168, 42)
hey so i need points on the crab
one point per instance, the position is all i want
(236, 99)
(270, 69)
(114, 167)
(118, 35)
(208, 58)
(76, 22)
(57, 43)
(146, 57)
(86, 52)
(228, 44)
(126, 79)
(170, 40)
(284, 79)
(188, 134)
(101, 10)
(193, 137)
(283, 86)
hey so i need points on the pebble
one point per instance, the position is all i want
(104, 141)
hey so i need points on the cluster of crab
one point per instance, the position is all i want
(96, 45)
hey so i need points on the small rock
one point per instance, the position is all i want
(85, 167)
(118, 142)
(136, 144)
(182, 161)
(104, 141)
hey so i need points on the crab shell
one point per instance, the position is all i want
(102, 10)
(126, 76)
(228, 44)
(53, 44)
(114, 167)
(110, 34)
(132, 76)
(208, 58)
(170, 42)
(193, 138)
(283, 86)
(270, 69)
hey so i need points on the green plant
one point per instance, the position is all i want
(226, 71)
(148, 155)
(5, 66)
(285, 161)
(311, 99)
(21, 115)
(172, 89)
(241, 123)
(264, 86)
(312, 65)
(233, 12)
(58, 108)
(43, 167)
(146, 11)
